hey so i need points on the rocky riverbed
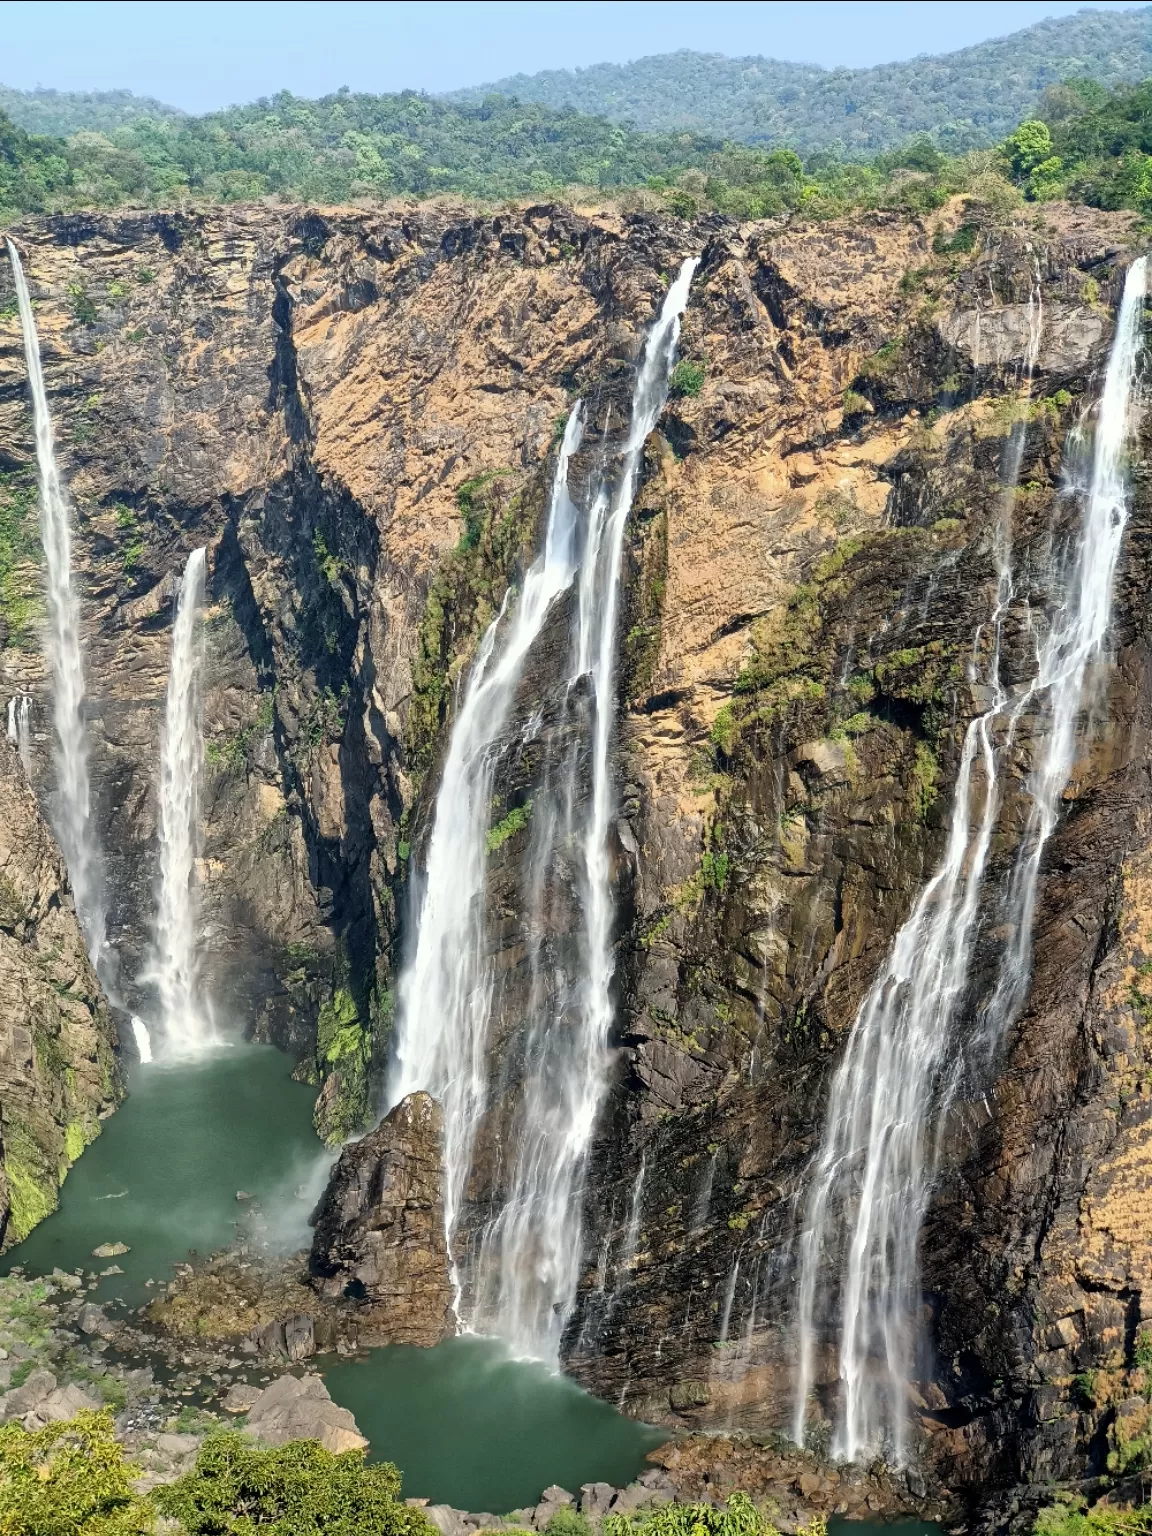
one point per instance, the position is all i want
(169, 1385)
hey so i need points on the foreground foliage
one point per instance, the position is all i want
(738, 1517)
(73, 1480)
(68, 1480)
(1068, 1517)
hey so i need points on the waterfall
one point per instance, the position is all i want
(173, 967)
(532, 1250)
(529, 1253)
(445, 992)
(1075, 641)
(71, 809)
(20, 729)
(870, 1183)
(142, 1038)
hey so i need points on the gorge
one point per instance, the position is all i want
(659, 681)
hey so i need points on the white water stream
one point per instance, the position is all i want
(173, 965)
(20, 729)
(524, 1274)
(71, 807)
(870, 1183)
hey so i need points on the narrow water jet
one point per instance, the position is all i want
(20, 729)
(870, 1183)
(173, 967)
(142, 1038)
(71, 809)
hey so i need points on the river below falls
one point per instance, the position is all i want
(465, 1424)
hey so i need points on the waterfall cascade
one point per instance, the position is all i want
(173, 967)
(445, 992)
(526, 1271)
(20, 729)
(142, 1038)
(71, 810)
(902, 1066)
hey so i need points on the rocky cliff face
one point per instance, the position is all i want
(380, 1239)
(356, 412)
(58, 1074)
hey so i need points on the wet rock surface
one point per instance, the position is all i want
(380, 1243)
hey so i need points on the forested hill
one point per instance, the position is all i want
(964, 100)
(64, 112)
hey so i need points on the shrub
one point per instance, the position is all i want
(1068, 1517)
(739, 1517)
(515, 821)
(854, 404)
(963, 241)
(298, 1489)
(68, 1480)
(568, 1522)
(82, 306)
(687, 378)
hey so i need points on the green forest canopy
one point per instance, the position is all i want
(964, 100)
(1085, 142)
(967, 99)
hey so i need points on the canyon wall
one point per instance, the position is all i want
(357, 413)
(58, 1075)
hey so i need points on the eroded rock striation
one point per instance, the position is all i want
(58, 1073)
(380, 1239)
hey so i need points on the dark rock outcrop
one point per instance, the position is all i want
(380, 1229)
(58, 1074)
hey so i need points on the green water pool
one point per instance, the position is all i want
(468, 1426)
(465, 1424)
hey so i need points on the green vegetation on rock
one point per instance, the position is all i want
(508, 826)
(1069, 1516)
(20, 601)
(500, 524)
(343, 1056)
(738, 1517)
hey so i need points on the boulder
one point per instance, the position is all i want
(551, 1500)
(63, 1403)
(379, 1229)
(596, 1499)
(271, 1339)
(448, 1521)
(824, 759)
(93, 1322)
(179, 1447)
(629, 1500)
(299, 1408)
(24, 1399)
(239, 1398)
(110, 1250)
(299, 1338)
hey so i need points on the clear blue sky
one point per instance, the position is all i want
(210, 54)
